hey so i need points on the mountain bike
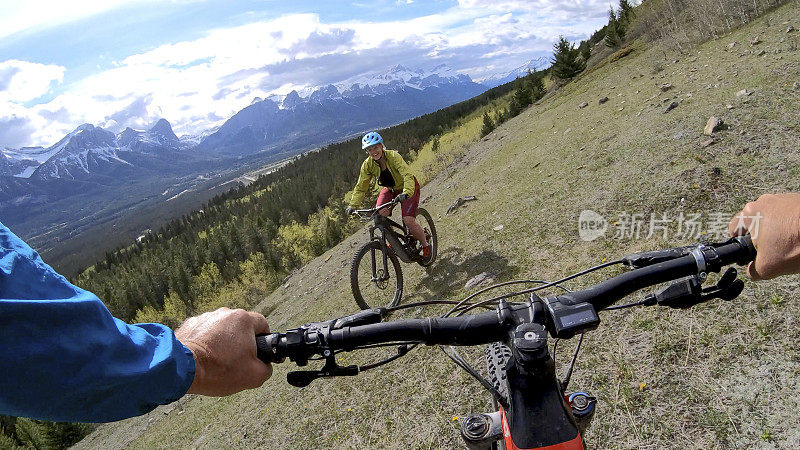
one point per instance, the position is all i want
(375, 272)
(532, 410)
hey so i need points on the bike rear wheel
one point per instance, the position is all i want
(384, 286)
(426, 222)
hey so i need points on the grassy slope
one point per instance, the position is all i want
(719, 376)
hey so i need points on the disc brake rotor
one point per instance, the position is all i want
(382, 281)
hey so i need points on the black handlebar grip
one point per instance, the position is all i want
(738, 250)
(747, 241)
(266, 350)
(748, 252)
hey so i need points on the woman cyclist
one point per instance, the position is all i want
(389, 169)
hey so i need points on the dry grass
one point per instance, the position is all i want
(723, 375)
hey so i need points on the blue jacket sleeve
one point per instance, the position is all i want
(64, 358)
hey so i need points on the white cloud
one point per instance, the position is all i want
(198, 84)
(546, 11)
(22, 81)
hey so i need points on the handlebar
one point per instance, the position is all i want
(466, 330)
(700, 260)
(364, 328)
(371, 211)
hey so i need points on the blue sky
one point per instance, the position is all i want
(118, 63)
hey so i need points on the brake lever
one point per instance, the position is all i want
(727, 288)
(687, 292)
(303, 378)
(365, 317)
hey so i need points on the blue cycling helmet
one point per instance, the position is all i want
(371, 139)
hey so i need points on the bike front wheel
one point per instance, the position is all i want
(373, 282)
(497, 359)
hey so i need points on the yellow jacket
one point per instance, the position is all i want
(371, 171)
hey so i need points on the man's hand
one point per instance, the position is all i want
(223, 343)
(350, 210)
(401, 198)
(773, 222)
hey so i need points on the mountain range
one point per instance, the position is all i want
(530, 66)
(332, 112)
(286, 124)
(92, 174)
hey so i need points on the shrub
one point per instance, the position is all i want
(566, 60)
(488, 124)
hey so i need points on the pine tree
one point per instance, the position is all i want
(566, 63)
(586, 50)
(521, 98)
(626, 12)
(488, 124)
(615, 30)
(537, 87)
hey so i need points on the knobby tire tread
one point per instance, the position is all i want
(498, 357)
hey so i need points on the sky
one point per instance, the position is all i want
(128, 63)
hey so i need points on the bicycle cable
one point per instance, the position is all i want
(404, 348)
(565, 383)
(538, 288)
(456, 357)
(644, 302)
(494, 286)
(425, 303)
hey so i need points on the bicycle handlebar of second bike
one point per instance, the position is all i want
(365, 328)
(391, 202)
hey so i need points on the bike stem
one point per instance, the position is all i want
(534, 393)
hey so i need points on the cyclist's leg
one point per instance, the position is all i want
(409, 208)
(386, 195)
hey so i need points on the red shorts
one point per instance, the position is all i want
(408, 206)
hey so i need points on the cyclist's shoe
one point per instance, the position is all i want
(426, 252)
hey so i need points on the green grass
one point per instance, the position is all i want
(722, 375)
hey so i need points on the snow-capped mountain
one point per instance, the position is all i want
(191, 140)
(25, 160)
(17, 163)
(400, 75)
(503, 78)
(5, 165)
(157, 138)
(88, 149)
(84, 150)
(332, 112)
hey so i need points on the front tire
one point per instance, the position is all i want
(387, 289)
(498, 357)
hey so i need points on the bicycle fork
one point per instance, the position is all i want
(379, 273)
(480, 431)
